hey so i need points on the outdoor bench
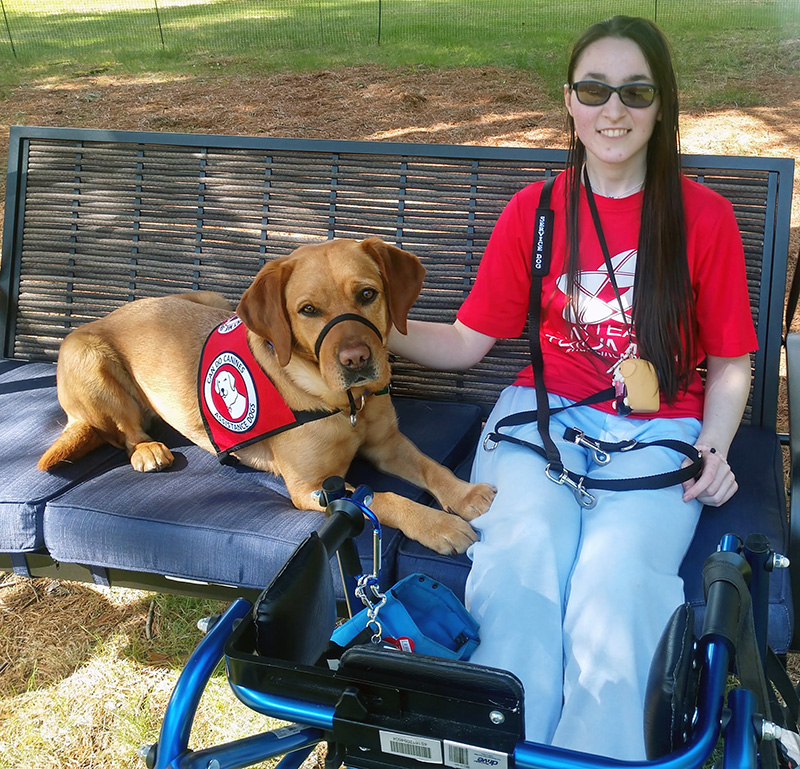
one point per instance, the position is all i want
(97, 218)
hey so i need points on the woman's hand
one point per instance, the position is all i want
(727, 386)
(716, 483)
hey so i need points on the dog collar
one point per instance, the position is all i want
(357, 405)
(239, 403)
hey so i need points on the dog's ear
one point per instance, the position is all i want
(402, 274)
(263, 310)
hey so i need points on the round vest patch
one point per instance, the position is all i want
(230, 393)
(239, 403)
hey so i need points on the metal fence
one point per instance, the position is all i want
(43, 29)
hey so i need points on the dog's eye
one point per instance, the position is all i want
(367, 295)
(309, 310)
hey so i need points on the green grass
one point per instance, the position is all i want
(718, 37)
(176, 620)
(94, 698)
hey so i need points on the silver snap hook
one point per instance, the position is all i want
(583, 497)
(599, 457)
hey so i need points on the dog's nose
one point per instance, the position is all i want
(354, 356)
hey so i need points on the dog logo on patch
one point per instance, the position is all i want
(230, 393)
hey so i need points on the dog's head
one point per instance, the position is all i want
(334, 304)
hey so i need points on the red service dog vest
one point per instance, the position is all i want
(239, 403)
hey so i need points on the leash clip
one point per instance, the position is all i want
(368, 585)
(580, 438)
(584, 498)
(355, 407)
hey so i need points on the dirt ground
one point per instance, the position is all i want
(485, 106)
(473, 106)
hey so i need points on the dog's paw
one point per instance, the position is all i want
(150, 457)
(476, 501)
(451, 535)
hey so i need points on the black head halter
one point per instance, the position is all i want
(341, 319)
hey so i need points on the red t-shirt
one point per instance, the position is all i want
(498, 303)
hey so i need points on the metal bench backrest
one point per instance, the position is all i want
(98, 218)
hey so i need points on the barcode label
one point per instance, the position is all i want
(461, 756)
(456, 755)
(411, 746)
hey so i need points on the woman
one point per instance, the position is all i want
(573, 600)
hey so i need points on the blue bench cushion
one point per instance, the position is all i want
(32, 419)
(234, 525)
(224, 524)
(755, 457)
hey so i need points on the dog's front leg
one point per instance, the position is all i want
(392, 452)
(440, 531)
(399, 456)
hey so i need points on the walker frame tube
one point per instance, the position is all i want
(172, 751)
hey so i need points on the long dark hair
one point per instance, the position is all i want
(663, 306)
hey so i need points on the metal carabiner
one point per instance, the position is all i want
(367, 582)
(599, 456)
(561, 479)
(583, 497)
(368, 585)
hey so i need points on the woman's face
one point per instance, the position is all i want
(615, 136)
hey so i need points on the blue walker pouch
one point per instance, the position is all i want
(417, 614)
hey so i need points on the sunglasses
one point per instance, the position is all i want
(594, 93)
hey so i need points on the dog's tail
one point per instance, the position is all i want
(77, 440)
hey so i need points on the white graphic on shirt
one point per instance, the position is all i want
(598, 311)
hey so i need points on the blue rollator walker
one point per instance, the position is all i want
(381, 707)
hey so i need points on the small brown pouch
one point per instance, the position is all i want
(641, 386)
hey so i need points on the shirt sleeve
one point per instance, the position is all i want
(719, 280)
(498, 303)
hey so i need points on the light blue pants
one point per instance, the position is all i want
(573, 600)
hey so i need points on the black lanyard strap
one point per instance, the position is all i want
(598, 226)
(582, 484)
(525, 417)
(540, 267)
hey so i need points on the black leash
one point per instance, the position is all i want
(601, 450)
(540, 267)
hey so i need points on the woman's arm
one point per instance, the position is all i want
(441, 346)
(727, 388)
